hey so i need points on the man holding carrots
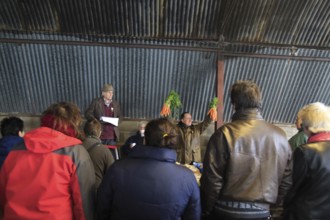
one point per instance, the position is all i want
(190, 150)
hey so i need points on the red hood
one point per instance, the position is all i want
(45, 140)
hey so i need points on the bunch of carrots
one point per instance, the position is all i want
(166, 110)
(213, 109)
(172, 102)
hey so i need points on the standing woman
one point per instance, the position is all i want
(50, 175)
(148, 184)
(309, 197)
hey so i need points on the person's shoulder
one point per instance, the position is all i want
(95, 101)
(273, 128)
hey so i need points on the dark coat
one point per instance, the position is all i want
(96, 110)
(101, 156)
(148, 185)
(6, 144)
(190, 147)
(309, 197)
(136, 139)
(246, 160)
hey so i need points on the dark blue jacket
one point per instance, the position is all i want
(149, 185)
(6, 144)
(136, 139)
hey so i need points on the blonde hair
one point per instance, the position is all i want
(315, 117)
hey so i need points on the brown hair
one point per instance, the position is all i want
(64, 117)
(161, 133)
(92, 128)
(245, 94)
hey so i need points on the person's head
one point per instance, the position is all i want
(12, 126)
(142, 127)
(245, 94)
(161, 133)
(186, 118)
(107, 91)
(299, 122)
(93, 128)
(315, 118)
(64, 117)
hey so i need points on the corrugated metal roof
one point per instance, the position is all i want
(293, 23)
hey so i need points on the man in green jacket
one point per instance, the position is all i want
(190, 149)
(299, 138)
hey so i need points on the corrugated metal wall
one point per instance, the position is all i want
(287, 85)
(37, 75)
(56, 50)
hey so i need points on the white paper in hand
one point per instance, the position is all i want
(111, 120)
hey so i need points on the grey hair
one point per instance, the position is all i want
(315, 117)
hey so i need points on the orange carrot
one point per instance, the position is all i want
(213, 114)
(165, 110)
(213, 109)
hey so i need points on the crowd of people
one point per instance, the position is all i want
(250, 169)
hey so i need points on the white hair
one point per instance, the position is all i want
(315, 117)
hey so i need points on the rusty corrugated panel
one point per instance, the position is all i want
(192, 19)
(35, 75)
(304, 23)
(291, 23)
(287, 85)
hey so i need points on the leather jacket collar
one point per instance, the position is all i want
(247, 114)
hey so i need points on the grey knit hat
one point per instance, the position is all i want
(107, 87)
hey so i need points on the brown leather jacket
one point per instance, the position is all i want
(95, 110)
(247, 160)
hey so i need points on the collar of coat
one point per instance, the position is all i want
(322, 136)
(247, 114)
(182, 125)
(154, 153)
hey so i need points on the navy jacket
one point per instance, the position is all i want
(6, 144)
(149, 185)
(126, 149)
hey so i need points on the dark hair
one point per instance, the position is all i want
(11, 126)
(161, 133)
(182, 115)
(92, 127)
(64, 117)
(245, 94)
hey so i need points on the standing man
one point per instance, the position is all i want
(299, 138)
(106, 106)
(247, 162)
(190, 149)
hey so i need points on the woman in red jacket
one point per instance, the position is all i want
(50, 175)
